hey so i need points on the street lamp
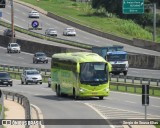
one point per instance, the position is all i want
(12, 21)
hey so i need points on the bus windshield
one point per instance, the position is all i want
(93, 73)
(117, 57)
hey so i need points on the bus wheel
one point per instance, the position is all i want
(58, 91)
(101, 97)
(74, 94)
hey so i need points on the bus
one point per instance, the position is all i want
(80, 74)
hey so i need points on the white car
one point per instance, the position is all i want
(51, 32)
(69, 32)
(31, 76)
(33, 14)
(13, 47)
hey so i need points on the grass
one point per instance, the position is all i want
(82, 13)
(131, 90)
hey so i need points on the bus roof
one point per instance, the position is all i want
(79, 57)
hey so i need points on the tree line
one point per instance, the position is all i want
(115, 7)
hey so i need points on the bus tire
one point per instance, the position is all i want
(58, 91)
(101, 97)
(74, 94)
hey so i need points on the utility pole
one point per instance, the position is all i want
(12, 21)
(154, 22)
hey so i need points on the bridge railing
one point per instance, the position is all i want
(21, 100)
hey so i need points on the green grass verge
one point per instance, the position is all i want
(82, 13)
(131, 90)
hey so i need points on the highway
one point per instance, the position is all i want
(117, 106)
(26, 60)
(21, 19)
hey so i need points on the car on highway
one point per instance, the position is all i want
(40, 57)
(51, 32)
(69, 32)
(8, 32)
(13, 47)
(33, 14)
(5, 79)
(31, 76)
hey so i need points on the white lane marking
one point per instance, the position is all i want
(135, 94)
(99, 114)
(21, 57)
(10, 22)
(155, 106)
(17, 10)
(48, 24)
(130, 102)
(85, 37)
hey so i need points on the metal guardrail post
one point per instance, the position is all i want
(132, 80)
(134, 89)
(157, 82)
(141, 79)
(149, 81)
(117, 78)
(152, 91)
(12, 98)
(125, 79)
(126, 88)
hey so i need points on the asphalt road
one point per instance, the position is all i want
(26, 60)
(21, 19)
(116, 106)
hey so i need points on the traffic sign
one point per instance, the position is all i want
(35, 24)
(133, 6)
(145, 94)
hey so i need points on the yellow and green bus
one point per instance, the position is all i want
(80, 74)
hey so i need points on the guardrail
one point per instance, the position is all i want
(21, 100)
(135, 80)
(16, 70)
(116, 80)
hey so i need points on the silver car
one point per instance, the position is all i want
(51, 32)
(69, 32)
(31, 76)
(13, 47)
(33, 14)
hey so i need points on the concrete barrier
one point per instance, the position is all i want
(32, 47)
(135, 61)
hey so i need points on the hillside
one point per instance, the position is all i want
(83, 13)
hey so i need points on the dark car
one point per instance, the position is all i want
(40, 57)
(5, 79)
(8, 32)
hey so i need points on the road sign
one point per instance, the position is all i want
(145, 94)
(133, 6)
(35, 24)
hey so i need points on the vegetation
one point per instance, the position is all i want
(97, 18)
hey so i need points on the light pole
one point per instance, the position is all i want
(154, 22)
(12, 21)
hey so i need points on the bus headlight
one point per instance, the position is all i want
(81, 90)
(107, 89)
